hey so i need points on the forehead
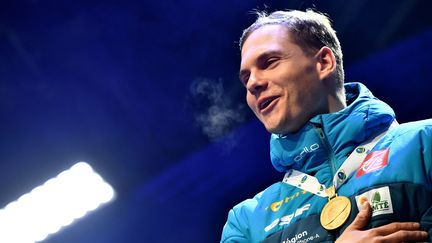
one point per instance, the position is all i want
(266, 39)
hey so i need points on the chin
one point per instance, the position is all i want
(274, 129)
(279, 129)
(282, 125)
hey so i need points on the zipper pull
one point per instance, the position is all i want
(318, 127)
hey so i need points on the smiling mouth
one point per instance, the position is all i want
(266, 103)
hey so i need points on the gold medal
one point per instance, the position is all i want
(336, 211)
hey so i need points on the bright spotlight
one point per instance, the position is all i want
(55, 204)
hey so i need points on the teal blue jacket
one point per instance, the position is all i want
(395, 177)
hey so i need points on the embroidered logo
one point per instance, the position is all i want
(379, 199)
(305, 151)
(287, 218)
(275, 206)
(373, 162)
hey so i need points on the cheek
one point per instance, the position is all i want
(249, 100)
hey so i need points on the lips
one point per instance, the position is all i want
(264, 103)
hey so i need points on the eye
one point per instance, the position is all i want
(244, 78)
(270, 61)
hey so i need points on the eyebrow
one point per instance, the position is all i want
(261, 58)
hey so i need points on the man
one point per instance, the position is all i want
(352, 173)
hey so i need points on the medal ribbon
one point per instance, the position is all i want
(349, 166)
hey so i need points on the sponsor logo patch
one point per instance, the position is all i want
(287, 218)
(275, 206)
(373, 162)
(305, 151)
(379, 199)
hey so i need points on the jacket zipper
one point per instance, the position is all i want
(327, 147)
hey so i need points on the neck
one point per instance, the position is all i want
(336, 102)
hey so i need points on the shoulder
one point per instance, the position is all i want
(415, 126)
(260, 200)
(410, 142)
(410, 130)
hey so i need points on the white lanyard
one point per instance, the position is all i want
(311, 184)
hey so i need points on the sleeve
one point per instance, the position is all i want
(426, 220)
(426, 223)
(232, 231)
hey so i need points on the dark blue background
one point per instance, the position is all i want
(116, 84)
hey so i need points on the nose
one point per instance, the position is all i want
(255, 85)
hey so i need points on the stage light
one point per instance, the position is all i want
(55, 204)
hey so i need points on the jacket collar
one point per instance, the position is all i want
(332, 136)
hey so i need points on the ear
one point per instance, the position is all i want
(326, 62)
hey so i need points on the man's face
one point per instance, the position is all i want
(283, 86)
